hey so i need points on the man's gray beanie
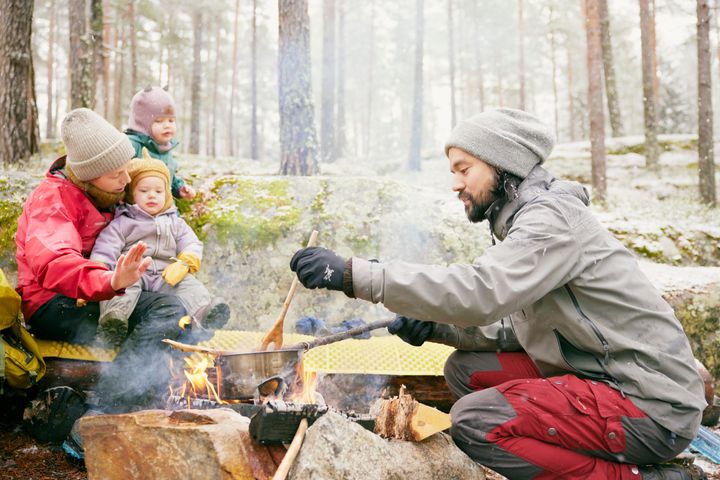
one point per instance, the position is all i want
(93, 146)
(511, 140)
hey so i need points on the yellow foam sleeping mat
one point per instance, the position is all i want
(378, 355)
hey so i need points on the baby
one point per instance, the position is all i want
(150, 216)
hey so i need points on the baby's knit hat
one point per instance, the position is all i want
(147, 105)
(147, 166)
(93, 146)
(511, 140)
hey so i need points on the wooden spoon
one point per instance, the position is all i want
(275, 334)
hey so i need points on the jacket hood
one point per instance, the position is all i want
(133, 211)
(538, 182)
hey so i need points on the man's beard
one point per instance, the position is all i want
(479, 205)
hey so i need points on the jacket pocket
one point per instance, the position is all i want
(586, 364)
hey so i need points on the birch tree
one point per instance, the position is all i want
(414, 159)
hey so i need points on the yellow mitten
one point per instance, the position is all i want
(176, 271)
(191, 260)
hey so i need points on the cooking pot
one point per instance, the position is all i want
(242, 372)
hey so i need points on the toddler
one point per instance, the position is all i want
(150, 216)
(152, 126)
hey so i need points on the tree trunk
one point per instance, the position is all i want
(105, 58)
(20, 134)
(196, 83)
(571, 100)
(595, 99)
(133, 47)
(652, 149)
(414, 160)
(298, 142)
(50, 125)
(340, 133)
(553, 61)
(499, 74)
(231, 111)
(120, 42)
(451, 63)
(212, 138)
(609, 69)
(327, 128)
(706, 157)
(370, 86)
(653, 50)
(80, 61)
(478, 56)
(521, 54)
(96, 39)
(253, 87)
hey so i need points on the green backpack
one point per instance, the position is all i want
(22, 364)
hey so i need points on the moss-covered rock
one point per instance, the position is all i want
(253, 225)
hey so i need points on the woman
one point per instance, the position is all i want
(61, 287)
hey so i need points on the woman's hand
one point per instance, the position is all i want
(130, 267)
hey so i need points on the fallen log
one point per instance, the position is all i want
(342, 391)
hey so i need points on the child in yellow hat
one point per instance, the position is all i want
(150, 216)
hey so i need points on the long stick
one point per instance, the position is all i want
(336, 337)
(275, 334)
(292, 452)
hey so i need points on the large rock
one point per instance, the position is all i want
(694, 294)
(159, 445)
(336, 448)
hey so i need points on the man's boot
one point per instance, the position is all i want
(672, 472)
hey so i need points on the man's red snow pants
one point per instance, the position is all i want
(523, 426)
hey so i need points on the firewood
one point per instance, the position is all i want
(404, 418)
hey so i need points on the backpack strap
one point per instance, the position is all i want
(2, 367)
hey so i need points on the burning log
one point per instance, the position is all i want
(404, 418)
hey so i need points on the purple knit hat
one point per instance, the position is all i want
(148, 104)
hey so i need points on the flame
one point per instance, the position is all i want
(196, 380)
(305, 383)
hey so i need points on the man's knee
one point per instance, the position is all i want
(477, 414)
(456, 374)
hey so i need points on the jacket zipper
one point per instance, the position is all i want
(595, 329)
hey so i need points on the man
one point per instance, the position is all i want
(606, 383)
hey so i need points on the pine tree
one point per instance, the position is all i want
(298, 141)
(20, 135)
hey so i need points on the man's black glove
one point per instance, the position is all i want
(412, 331)
(318, 267)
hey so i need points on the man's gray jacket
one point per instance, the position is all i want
(575, 297)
